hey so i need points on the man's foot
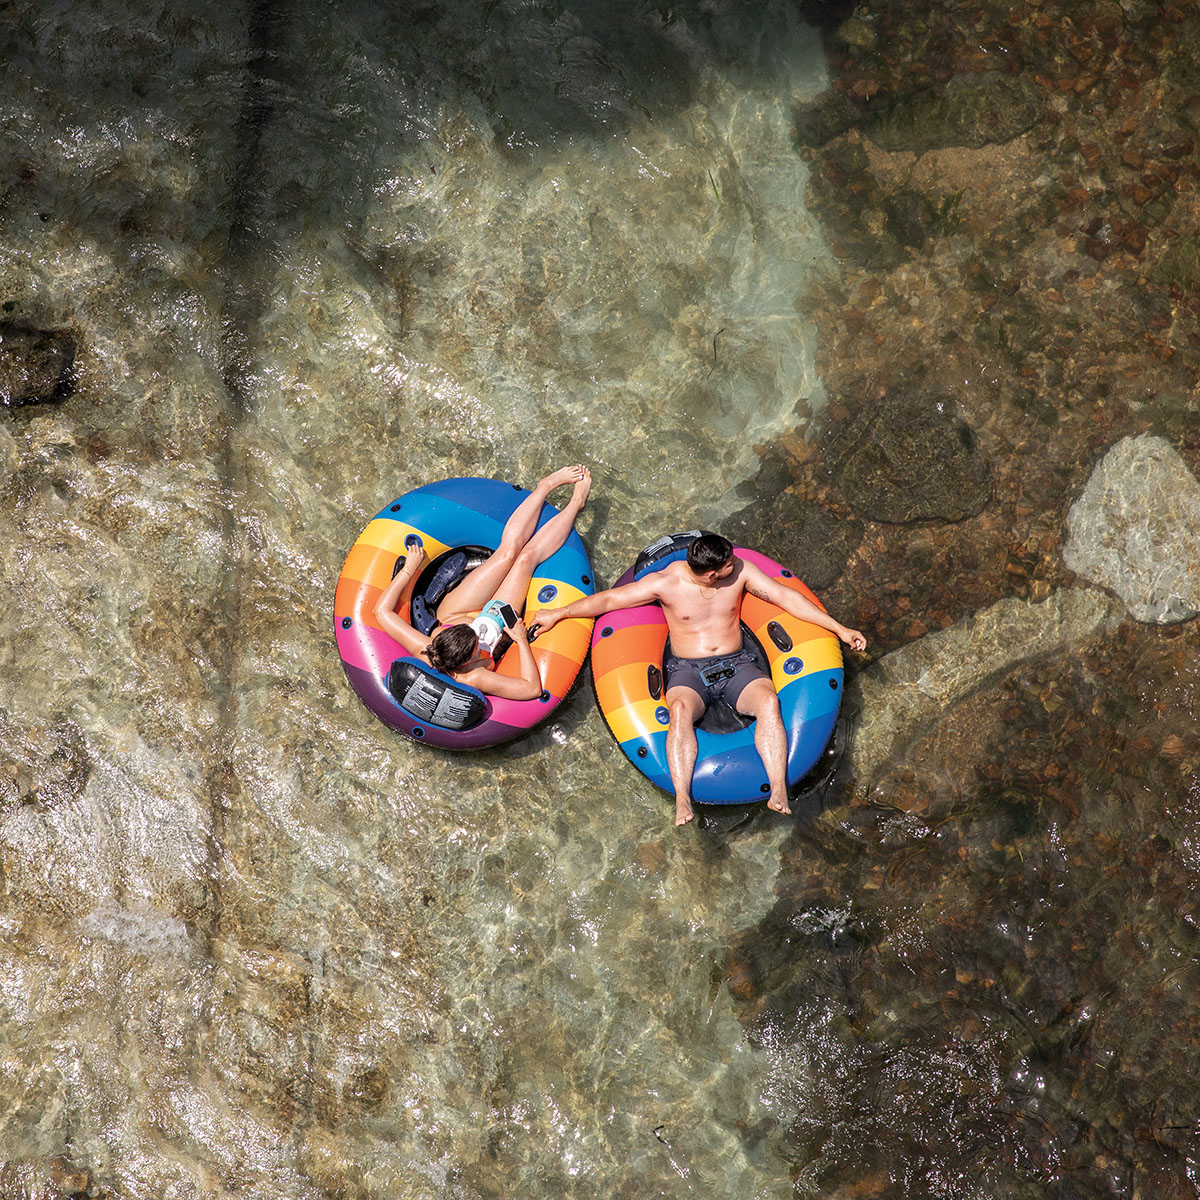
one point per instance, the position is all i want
(779, 804)
(571, 474)
(683, 811)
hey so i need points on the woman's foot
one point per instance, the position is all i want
(571, 474)
(583, 485)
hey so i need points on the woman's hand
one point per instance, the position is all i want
(414, 557)
(528, 686)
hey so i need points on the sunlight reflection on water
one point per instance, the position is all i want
(390, 969)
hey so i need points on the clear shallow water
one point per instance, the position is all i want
(253, 944)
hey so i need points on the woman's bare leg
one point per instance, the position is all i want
(542, 545)
(480, 584)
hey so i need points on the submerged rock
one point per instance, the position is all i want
(976, 110)
(1179, 264)
(45, 765)
(36, 365)
(971, 111)
(828, 116)
(909, 217)
(910, 458)
(1136, 530)
(814, 543)
(905, 690)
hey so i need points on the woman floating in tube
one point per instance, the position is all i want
(490, 601)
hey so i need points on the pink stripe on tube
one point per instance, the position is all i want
(368, 648)
(629, 618)
(521, 713)
(768, 566)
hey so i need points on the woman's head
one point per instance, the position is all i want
(452, 648)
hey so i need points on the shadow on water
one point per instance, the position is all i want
(816, 792)
(569, 69)
(825, 15)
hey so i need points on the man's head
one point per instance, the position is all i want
(710, 556)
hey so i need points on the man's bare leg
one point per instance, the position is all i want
(759, 700)
(480, 585)
(686, 708)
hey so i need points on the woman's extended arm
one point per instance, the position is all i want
(527, 687)
(388, 619)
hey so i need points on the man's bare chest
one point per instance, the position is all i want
(704, 606)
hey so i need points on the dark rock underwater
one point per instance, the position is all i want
(994, 923)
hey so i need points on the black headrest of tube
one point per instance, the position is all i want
(672, 544)
(433, 697)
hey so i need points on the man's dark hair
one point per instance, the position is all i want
(451, 648)
(709, 552)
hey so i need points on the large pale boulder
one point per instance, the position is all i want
(1136, 530)
(901, 694)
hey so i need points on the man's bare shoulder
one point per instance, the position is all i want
(671, 578)
(747, 574)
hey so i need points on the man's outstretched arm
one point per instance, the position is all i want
(759, 584)
(640, 591)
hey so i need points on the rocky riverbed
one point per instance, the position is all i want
(997, 906)
(253, 946)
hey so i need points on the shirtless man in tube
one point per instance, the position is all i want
(701, 600)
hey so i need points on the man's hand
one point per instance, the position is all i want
(852, 638)
(545, 619)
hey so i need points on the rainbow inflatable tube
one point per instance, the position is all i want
(803, 660)
(459, 522)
